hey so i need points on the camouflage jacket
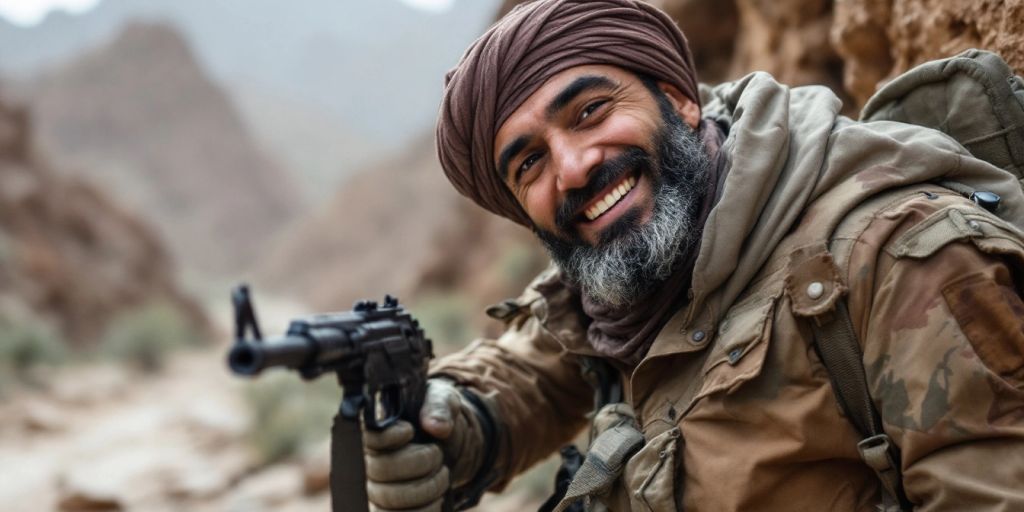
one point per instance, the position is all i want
(735, 407)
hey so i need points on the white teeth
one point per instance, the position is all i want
(610, 199)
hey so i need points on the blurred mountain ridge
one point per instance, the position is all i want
(360, 70)
(69, 255)
(139, 117)
(400, 228)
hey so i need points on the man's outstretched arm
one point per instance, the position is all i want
(528, 381)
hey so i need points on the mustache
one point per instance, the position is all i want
(607, 173)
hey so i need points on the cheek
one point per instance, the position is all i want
(626, 129)
(541, 202)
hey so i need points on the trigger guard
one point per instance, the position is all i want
(391, 400)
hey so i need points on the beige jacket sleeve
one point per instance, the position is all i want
(531, 383)
(937, 306)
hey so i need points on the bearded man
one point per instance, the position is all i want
(704, 241)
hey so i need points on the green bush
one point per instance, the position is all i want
(6, 247)
(145, 336)
(25, 348)
(289, 414)
(518, 265)
(445, 319)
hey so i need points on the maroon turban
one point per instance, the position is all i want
(535, 41)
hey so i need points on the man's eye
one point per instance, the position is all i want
(530, 160)
(590, 109)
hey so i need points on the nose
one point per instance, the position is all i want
(574, 161)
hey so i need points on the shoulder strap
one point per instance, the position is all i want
(816, 289)
(836, 344)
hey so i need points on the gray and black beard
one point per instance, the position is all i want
(630, 259)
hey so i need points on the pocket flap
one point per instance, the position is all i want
(742, 344)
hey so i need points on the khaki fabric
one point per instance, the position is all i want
(733, 402)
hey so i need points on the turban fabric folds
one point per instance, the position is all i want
(519, 53)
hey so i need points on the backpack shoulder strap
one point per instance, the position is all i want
(836, 344)
(816, 288)
(817, 293)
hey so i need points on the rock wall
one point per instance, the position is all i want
(68, 254)
(879, 39)
(848, 45)
(730, 38)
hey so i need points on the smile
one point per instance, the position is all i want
(610, 199)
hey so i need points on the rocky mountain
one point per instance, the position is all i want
(139, 117)
(400, 228)
(879, 39)
(68, 254)
(362, 76)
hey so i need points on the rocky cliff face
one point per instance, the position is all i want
(879, 39)
(140, 118)
(68, 254)
(848, 45)
(730, 38)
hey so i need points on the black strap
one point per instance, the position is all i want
(836, 344)
(348, 469)
(572, 459)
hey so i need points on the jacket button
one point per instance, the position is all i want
(734, 355)
(815, 290)
(698, 336)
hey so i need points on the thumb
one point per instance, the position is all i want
(439, 406)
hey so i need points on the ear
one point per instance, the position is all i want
(688, 109)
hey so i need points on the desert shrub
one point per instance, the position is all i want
(289, 414)
(6, 248)
(445, 319)
(145, 336)
(25, 349)
(518, 265)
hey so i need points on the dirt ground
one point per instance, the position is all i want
(100, 437)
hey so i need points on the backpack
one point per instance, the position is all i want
(976, 99)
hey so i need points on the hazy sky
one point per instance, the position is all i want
(30, 12)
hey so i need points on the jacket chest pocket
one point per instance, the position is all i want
(651, 475)
(739, 353)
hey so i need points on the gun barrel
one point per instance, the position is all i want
(250, 358)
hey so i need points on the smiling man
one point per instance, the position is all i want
(710, 251)
(611, 175)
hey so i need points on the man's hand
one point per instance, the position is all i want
(402, 475)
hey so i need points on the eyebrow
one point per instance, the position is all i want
(577, 87)
(560, 102)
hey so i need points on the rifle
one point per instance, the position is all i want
(380, 356)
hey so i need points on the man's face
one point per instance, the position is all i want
(611, 174)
